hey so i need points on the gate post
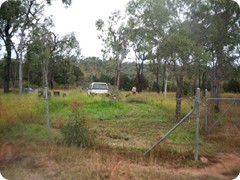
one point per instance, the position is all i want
(197, 109)
(206, 111)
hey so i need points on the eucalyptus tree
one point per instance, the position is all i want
(115, 40)
(41, 47)
(31, 14)
(143, 51)
(147, 23)
(10, 12)
(65, 58)
(218, 23)
(179, 48)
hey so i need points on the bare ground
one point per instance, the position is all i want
(39, 161)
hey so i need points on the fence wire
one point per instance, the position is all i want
(195, 107)
(222, 114)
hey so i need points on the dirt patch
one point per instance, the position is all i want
(218, 167)
(59, 162)
(8, 152)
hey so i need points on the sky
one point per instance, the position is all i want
(80, 18)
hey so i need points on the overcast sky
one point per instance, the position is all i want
(80, 18)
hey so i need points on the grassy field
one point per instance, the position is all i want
(123, 130)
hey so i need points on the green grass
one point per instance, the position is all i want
(145, 117)
(183, 135)
(124, 129)
(23, 131)
(135, 115)
(105, 109)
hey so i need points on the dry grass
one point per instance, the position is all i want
(120, 144)
(39, 161)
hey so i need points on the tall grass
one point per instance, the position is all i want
(124, 130)
(143, 117)
(142, 114)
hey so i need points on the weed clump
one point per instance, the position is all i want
(75, 130)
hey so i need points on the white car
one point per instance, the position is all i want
(98, 88)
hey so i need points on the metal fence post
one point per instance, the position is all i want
(47, 117)
(206, 111)
(197, 109)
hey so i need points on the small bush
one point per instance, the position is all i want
(75, 131)
(232, 86)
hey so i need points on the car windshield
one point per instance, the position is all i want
(99, 86)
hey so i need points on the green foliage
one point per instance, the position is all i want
(125, 82)
(156, 86)
(10, 10)
(75, 131)
(232, 86)
(140, 82)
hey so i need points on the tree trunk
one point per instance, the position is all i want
(163, 79)
(6, 76)
(117, 74)
(179, 97)
(28, 76)
(20, 65)
(6, 71)
(158, 86)
(166, 84)
(216, 85)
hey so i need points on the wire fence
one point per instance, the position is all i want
(217, 113)
(194, 105)
(185, 136)
(221, 113)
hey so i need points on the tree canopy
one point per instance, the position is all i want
(190, 43)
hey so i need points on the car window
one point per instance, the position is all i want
(100, 86)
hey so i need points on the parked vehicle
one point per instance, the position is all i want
(28, 89)
(98, 88)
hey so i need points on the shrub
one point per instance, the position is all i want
(75, 130)
(232, 86)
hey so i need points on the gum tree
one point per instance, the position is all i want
(29, 18)
(17, 17)
(182, 53)
(147, 23)
(218, 25)
(115, 40)
(10, 12)
(64, 60)
(179, 47)
(41, 48)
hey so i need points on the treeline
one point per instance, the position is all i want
(177, 44)
(200, 49)
(90, 69)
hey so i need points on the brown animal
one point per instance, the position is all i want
(8, 152)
